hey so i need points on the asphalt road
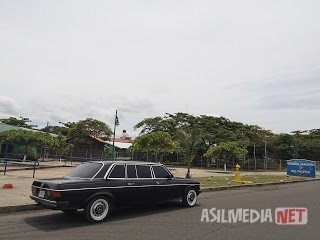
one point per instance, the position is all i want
(172, 221)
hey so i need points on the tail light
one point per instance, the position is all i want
(33, 190)
(54, 194)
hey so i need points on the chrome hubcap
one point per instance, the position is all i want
(192, 198)
(99, 209)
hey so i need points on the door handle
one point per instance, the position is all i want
(158, 182)
(130, 183)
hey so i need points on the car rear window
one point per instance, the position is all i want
(143, 171)
(85, 170)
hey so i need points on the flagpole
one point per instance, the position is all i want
(114, 134)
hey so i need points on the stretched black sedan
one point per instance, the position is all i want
(97, 187)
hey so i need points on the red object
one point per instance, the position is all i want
(7, 186)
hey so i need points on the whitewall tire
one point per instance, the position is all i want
(97, 209)
(190, 198)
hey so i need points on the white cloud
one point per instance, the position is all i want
(246, 60)
(8, 106)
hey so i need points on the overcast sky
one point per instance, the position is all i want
(257, 62)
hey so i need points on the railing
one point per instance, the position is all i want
(7, 161)
(81, 159)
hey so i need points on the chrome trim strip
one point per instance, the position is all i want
(152, 172)
(135, 169)
(108, 171)
(42, 188)
(42, 199)
(165, 185)
(98, 171)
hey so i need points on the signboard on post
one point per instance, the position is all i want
(301, 167)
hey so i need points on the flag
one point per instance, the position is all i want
(116, 120)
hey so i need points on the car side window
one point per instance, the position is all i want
(143, 171)
(118, 172)
(103, 171)
(160, 172)
(131, 171)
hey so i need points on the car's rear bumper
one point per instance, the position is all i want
(49, 203)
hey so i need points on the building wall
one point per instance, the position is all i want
(86, 151)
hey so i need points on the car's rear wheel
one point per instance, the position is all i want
(97, 209)
(189, 198)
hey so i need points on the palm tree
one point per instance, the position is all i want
(188, 143)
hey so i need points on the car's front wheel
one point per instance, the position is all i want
(189, 199)
(97, 209)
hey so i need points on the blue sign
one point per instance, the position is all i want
(301, 167)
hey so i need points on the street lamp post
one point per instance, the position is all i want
(116, 123)
(254, 156)
(265, 155)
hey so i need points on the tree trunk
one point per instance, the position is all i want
(188, 172)
(161, 158)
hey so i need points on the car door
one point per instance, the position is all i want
(140, 183)
(116, 180)
(166, 186)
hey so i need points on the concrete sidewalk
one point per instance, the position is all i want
(22, 181)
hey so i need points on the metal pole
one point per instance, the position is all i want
(114, 135)
(265, 156)
(34, 169)
(254, 156)
(5, 167)
(280, 164)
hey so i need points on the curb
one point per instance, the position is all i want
(212, 189)
(20, 208)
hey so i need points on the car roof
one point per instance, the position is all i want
(127, 162)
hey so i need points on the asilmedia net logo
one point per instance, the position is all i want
(280, 216)
(291, 216)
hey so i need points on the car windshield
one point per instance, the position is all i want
(85, 170)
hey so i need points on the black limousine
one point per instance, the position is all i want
(97, 187)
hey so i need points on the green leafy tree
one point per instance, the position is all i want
(308, 144)
(28, 141)
(61, 147)
(189, 141)
(18, 122)
(59, 130)
(213, 130)
(286, 147)
(226, 151)
(156, 143)
(78, 131)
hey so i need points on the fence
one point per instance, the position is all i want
(81, 159)
(7, 161)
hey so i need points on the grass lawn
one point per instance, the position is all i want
(227, 181)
